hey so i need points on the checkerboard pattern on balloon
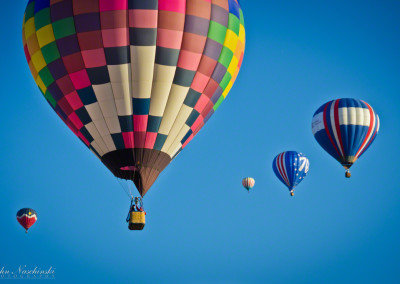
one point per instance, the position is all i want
(132, 73)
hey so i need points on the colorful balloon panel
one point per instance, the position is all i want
(345, 128)
(26, 217)
(134, 80)
(291, 168)
(248, 183)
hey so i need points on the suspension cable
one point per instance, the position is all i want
(126, 190)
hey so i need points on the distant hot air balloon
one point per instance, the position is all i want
(134, 80)
(345, 128)
(291, 168)
(26, 217)
(248, 183)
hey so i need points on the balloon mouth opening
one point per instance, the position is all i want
(127, 172)
(129, 168)
(347, 165)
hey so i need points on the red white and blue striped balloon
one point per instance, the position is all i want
(345, 128)
(248, 183)
(290, 167)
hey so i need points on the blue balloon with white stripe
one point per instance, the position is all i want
(345, 128)
(291, 168)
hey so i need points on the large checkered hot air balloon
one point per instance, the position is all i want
(345, 128)
(135, 80)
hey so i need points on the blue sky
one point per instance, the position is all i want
(202, 226)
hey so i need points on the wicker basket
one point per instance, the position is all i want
(137, 220)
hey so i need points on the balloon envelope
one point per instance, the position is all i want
(134, 80)
(345, 128)
(26, 217)
(248, 183)
(291, 168)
